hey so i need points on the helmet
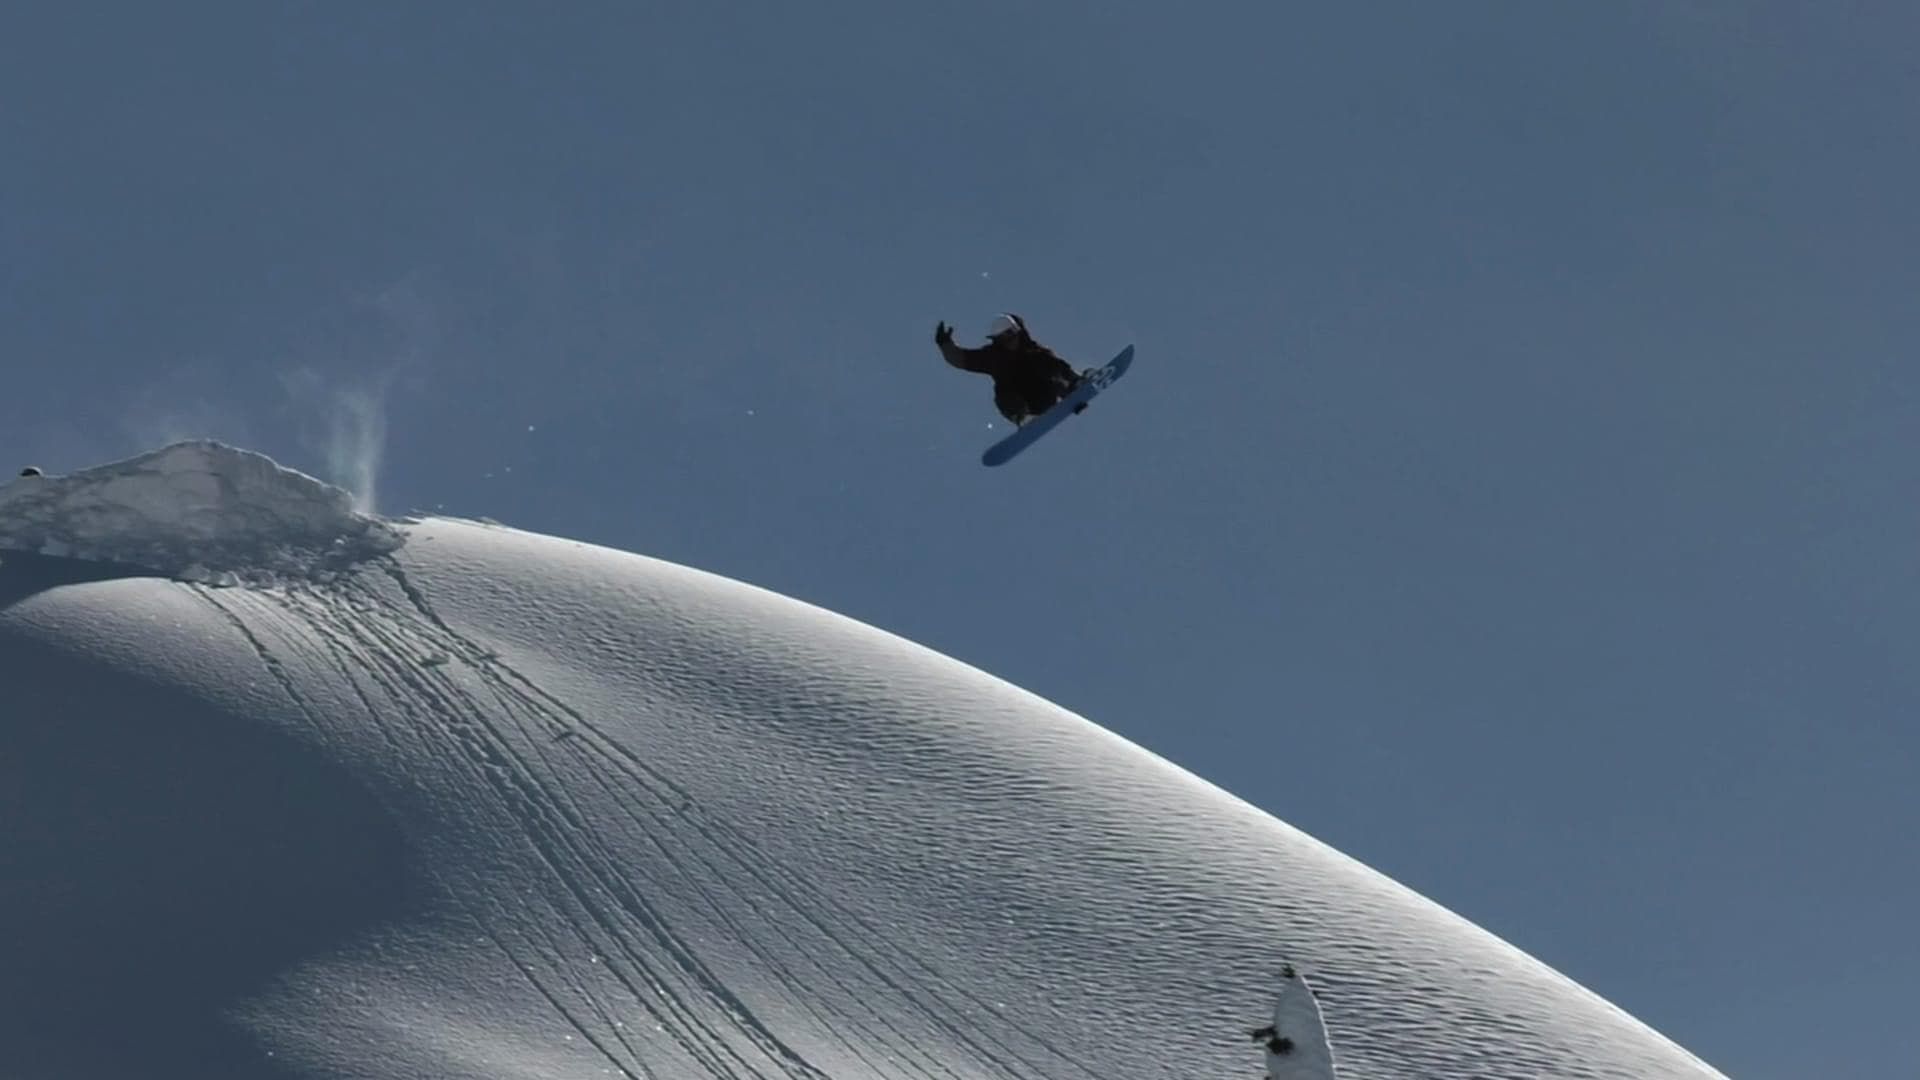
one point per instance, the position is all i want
(1006, 323)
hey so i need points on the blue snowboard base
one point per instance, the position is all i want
(1090, 387)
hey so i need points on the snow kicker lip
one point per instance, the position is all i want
(199, 511)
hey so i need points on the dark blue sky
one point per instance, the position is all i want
(1518, 486)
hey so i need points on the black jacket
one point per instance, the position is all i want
(1028, 377)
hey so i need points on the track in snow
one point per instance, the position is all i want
(625, 963)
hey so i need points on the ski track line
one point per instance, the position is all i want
(352, 632)
(513, 700)
(515, 688)
(370, 664)
(506, 774)
(566, 848)
(653, 827)
(724, 838)
(368, 661)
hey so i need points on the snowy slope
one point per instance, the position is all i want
(439, 799)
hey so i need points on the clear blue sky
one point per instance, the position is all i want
(1518, 486)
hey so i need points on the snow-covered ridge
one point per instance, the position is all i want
(198, 510)
(504, 806)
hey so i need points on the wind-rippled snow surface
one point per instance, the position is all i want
(492, 804)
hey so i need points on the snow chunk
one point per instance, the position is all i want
(1296, 1043)
(200, 510)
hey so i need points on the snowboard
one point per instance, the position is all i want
(1097, 380)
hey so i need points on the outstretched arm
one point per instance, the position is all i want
(959, 356)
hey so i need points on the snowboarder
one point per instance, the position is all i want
(1028, 377)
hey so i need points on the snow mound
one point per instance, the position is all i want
(199, 511)
(501, 806)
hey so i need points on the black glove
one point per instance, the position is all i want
(943, 334)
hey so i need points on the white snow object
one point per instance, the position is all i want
(1299, 1049)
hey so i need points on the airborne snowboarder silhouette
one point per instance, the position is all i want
(1028, 377)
